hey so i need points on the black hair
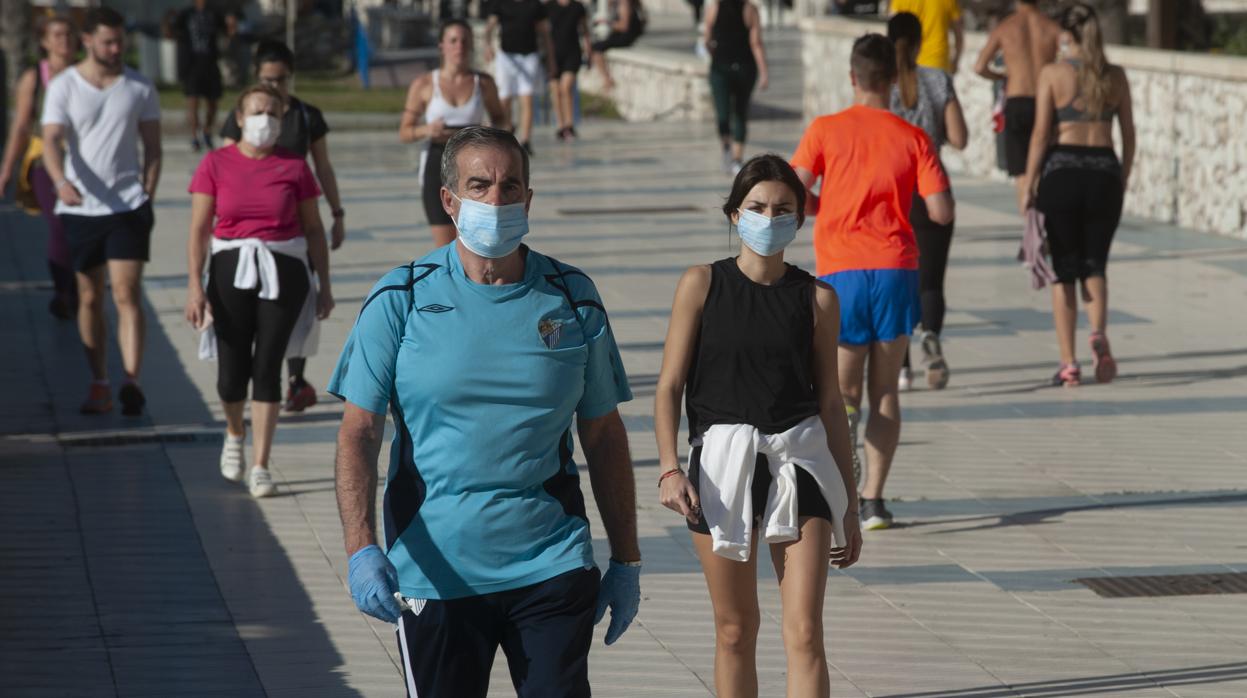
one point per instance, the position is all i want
(453, 22)
(102, 16)
(273, 51)
(765, 168)
(477, 137)
(873, 62)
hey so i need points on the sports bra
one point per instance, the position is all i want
(1069, 112)
(469, 113)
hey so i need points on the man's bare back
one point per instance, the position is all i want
(1028, 39)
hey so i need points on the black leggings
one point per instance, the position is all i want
(934, 241)
(1080, 196)
(251, 333)
(731, 85)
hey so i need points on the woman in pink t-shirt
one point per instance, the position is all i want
(254, 207)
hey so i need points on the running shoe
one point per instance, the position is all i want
(196, 146)
(300, 396)
(855, 420)
(1102, 362)
(208, 141)
(933, 357)
(561, 135)
(1068, 374)
(99, 400)
(232, 458)
(905, 380)
(132, 399)
(60, 308)
(571, 133)
(875, 516)
(260, 483)
(528, 147)
(737, 166)
(727, 160)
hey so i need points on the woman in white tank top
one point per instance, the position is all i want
(438, 104)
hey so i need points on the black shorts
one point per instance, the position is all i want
(544, 629)
(810, 500)
(93, 240)
(567, 60)
(1019, 122)
(615, 39)
(431, 187)
(1080, 196)
(202, 79)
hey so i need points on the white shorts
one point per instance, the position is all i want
(517, 73)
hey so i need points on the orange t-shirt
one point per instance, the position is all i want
(871, 161)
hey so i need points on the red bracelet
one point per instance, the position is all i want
(668, 474)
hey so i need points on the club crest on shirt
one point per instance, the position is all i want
(550, 331)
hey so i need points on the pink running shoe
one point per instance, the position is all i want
(1102, 360)
(1068, 375)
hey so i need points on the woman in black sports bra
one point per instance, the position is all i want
(752, 343)
(1078, 183)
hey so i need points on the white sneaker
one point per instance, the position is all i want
(727, 161)
(261, 483)
(737, 165)
(905, 381)
(232, 458)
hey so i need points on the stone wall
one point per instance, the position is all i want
(1191, 161)
(655, 85)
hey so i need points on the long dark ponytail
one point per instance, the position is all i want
(905, 31)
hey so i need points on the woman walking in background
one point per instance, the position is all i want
(752, 344)
(303, 132)
(253, 206)
(569, 29)
(440, 103)
(925, 97)
(1078, 183)
(733, 36)
(58, 44)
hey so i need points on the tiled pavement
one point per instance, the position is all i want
(129, 567)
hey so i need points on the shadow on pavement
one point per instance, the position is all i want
(1097, 685)
(106, 584)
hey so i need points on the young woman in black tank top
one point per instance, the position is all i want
(752, 340)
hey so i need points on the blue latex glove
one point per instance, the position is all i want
(621, 590)
(373, 581)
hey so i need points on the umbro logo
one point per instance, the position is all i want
(434, 308)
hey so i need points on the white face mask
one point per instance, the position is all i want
(260, 130)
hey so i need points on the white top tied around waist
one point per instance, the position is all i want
(728, 454)
(256, 265)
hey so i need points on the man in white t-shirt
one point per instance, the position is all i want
(94, 115)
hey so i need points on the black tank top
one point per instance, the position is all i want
(730, 36)
(753, 362)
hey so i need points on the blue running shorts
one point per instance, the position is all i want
(876, 305)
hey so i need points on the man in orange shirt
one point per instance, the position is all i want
(872, 164)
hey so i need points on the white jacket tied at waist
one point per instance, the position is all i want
(258, 269)
(728, 455)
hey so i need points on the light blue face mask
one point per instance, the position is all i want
(491, 231)
(766, 236)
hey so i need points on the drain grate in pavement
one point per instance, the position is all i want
(628, 210)
(1167, 585)
(104, 440)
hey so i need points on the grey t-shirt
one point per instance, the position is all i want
(935, 91)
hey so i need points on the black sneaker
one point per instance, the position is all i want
(196, 146)
(132, 400)
(875, 516)
(208, 141)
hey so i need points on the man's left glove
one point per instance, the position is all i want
(373, 581)
(621, 590)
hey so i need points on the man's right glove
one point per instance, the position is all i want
(373, 581)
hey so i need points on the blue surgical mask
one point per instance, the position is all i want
(491, 231)
(766, 236)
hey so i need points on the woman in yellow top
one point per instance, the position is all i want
(938, 17)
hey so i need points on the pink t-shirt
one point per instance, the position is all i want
(255, 198)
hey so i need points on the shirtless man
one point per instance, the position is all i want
(1028, 40)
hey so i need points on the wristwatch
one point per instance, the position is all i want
(338, 212)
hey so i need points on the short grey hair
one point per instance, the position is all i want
(477, 137)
